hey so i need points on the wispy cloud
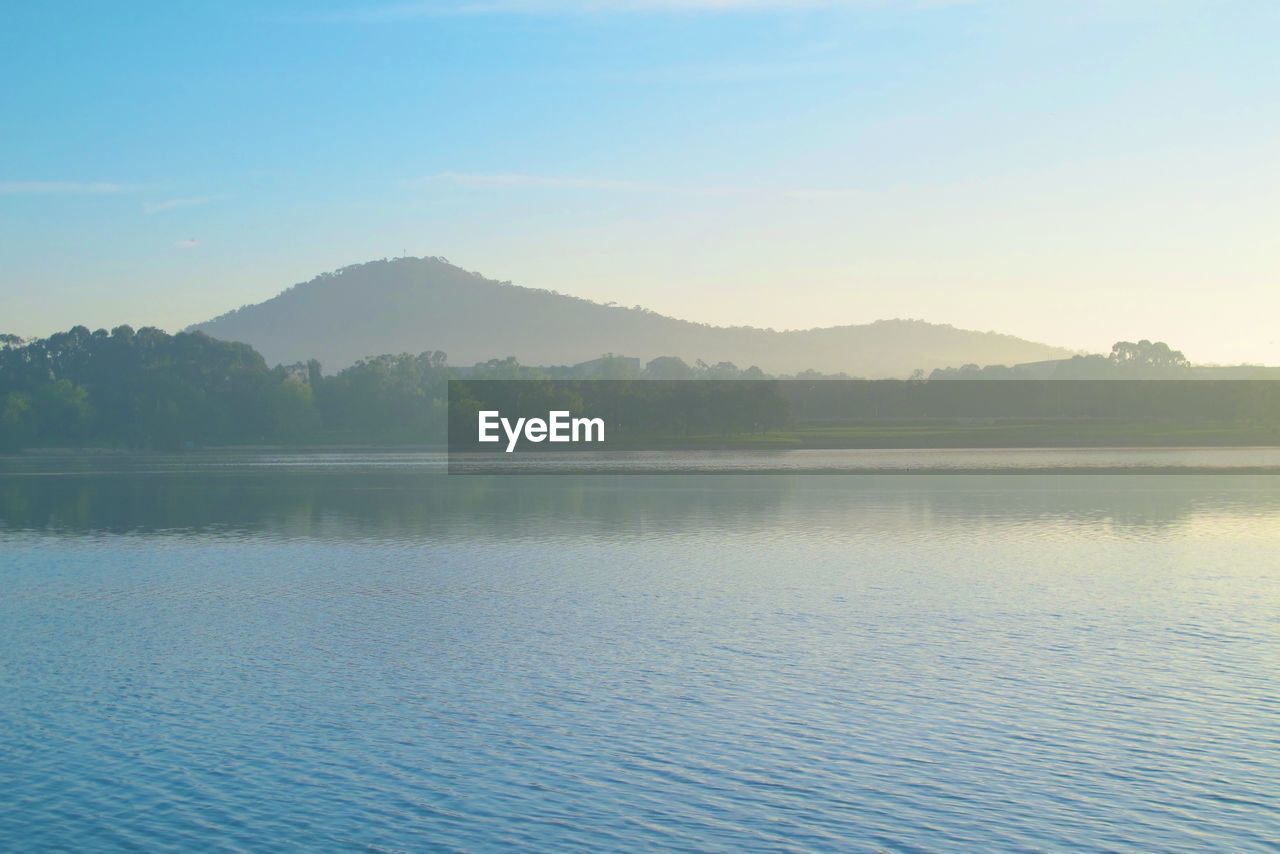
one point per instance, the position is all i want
(65, 188)
(740, 72)
(189, 243)
(174, 204)
(500, 180)
(521, 181)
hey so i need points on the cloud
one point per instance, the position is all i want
(173, 204)
(189, 243)
(65, 188)
(474, 180)
(521, 181)
(740, 72)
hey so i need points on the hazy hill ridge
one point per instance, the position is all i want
(415, 304)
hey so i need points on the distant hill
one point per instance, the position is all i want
(416, 304)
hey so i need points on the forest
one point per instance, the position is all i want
(147, 389)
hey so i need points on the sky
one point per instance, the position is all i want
(1070, 172)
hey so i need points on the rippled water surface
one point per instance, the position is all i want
(355, 652)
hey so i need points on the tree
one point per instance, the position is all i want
(668, 368)
(392, 398)
(1145, 354)
(720, 371)
(16, 425)
(62, 411)
(293, 410)
(611, 366)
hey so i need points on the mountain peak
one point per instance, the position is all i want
(417, 304)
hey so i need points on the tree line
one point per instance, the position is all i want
(147, 389)
(1127, 360)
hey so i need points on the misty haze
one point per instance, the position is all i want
(410, 305)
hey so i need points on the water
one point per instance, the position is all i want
(248, 652)
(1220, 460)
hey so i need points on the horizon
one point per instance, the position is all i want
(1067, 176)
(190, 327)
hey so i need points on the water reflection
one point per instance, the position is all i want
(359, 498)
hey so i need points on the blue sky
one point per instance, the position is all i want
(1071, 172)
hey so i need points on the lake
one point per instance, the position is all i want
(320, 651)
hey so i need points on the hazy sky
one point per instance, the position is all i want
(1073, 172)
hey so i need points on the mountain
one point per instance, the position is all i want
(416, 304)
